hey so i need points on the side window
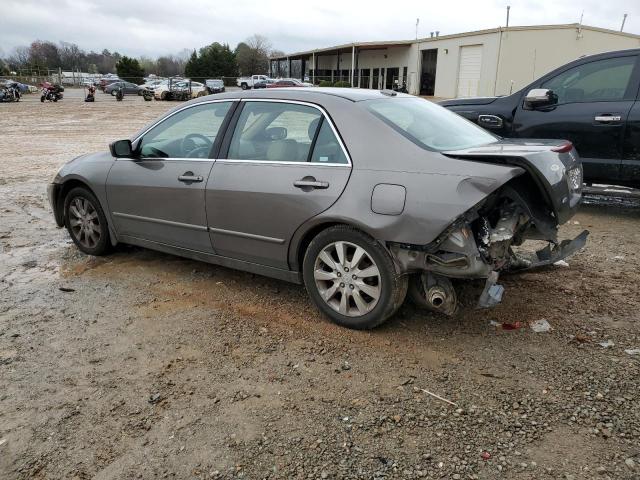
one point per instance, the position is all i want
(600, 81)
(327, 148)
(189, 133)
(274, 132)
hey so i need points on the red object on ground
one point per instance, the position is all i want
(485, 455)
(511, 326)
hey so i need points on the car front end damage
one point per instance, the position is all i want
(487, 239)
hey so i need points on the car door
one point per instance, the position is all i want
(284, 164)
(131, 88)
(630, 169)
(594, 100)
(158, 195)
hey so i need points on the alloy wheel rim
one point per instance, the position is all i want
(84, 222)
(347, 279)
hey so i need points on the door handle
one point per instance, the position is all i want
(310, 184)
(607, 118)
(189, 177)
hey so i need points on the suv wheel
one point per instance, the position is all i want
(86, 222)
(351, 278)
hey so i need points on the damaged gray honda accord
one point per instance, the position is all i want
(361, 195)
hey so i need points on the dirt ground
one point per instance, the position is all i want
(152, 366)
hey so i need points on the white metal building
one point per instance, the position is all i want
(486, 62)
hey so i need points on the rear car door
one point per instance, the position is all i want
(158, 195)
(285, 163)
(594, 100)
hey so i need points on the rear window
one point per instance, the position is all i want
(429, 125)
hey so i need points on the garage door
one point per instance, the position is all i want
(469, 71)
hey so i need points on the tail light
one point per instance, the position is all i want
(564, 148)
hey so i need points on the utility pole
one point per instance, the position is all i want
(417, 22)
(624, 19)
(508, 8)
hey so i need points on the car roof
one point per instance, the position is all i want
(310, 94)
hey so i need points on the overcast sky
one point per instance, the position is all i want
(154, 27)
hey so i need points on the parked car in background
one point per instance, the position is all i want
(127, 87)
(286, 82)
(358, 194)
(264, 83)
(179, 90)
(215, 86)
(105, 82)
(593, 102)
(21, 87)
(152, 84)
(198, 89)
(248, 82)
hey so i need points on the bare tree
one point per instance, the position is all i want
(19, 58)
(252, 55)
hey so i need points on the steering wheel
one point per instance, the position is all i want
(191, 148)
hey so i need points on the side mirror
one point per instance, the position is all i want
(276, 133)
(540, 97)
(121, 149)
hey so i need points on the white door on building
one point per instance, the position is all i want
(469, 70)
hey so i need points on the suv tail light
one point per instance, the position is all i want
(564, 148)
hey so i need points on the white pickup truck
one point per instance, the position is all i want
(248, 82)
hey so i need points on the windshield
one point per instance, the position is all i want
(429, 125)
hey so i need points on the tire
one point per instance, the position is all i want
(244, 86)
(113, 93)
(42, 98)
(390, 287)
(164, 95)
(97, 243)
(55, 99)
(139, 93)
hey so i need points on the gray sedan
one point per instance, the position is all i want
(128, 88)
(361, 195)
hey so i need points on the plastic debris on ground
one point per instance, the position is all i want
(632, 351)
(561, 263)
(540, 326)
(506, 326)
(606, 344)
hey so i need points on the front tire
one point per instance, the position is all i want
(244, 86)
(352, 279)
(86, 223)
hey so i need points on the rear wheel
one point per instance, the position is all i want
(351, 278)
(86, 222)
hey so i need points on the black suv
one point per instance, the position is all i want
(593, 102)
